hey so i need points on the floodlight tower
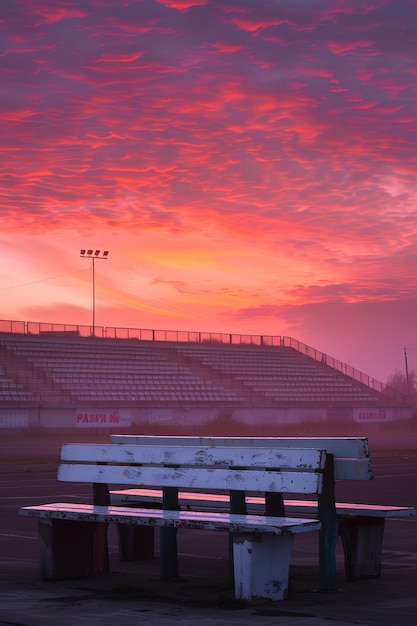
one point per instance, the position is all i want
(94, 255)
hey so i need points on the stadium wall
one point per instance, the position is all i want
(194, 417)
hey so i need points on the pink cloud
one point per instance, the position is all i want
(252, 24)
(51, 13)
(110, 57)
(227, 47)
(183, 4)
(345, 47)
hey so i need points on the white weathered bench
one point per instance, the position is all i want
(73, 536)
(360, 526)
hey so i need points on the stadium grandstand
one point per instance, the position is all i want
(54, 375)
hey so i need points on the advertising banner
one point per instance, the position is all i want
(161, 417)
(14, 418)
(103, 418)
(372, 415)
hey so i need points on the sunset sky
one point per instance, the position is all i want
(251, 166)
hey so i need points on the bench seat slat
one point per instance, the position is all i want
(285, 458)
(343, 447)
(130, 496)
(174, 519)
(189, 477)
(353, 469)
(351, 455)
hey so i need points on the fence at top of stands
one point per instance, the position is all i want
(108, 332)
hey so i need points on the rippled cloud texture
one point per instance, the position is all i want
(250, 165)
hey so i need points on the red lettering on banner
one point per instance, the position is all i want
(372, 415)
(91, 418)
(115, 418)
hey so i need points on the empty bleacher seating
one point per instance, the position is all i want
(47, 368)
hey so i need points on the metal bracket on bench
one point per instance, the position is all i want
(328, 532)
(238, 506)
(168, 537)
(274, 504)
(101, 497)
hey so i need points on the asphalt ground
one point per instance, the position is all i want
(132, 593)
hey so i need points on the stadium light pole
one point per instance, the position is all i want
(94, 255)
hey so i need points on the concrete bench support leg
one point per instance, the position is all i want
(66, 549)
(136, 543)
(362, 539)
(261, 565)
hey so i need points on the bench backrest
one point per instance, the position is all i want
(351, 454)
(298, 471)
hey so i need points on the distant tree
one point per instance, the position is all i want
(399, 381)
